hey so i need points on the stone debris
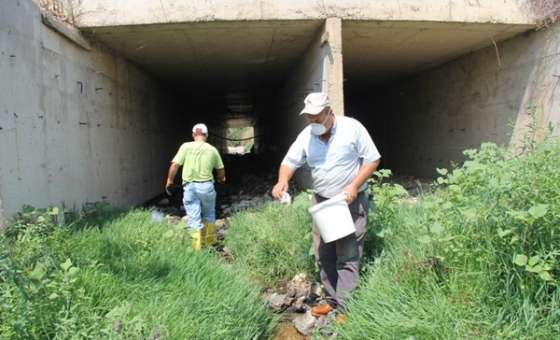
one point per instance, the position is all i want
(279, 302)
(305, 324)
(299, 305)
(315, 292)
(299, 286)
(300, 294)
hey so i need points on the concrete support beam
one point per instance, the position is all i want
(96, 13)
(319, 70)
(333, 78)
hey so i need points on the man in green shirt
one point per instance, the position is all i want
(198, 160)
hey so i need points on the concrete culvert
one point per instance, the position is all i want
(100, 121)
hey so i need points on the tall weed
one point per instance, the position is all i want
(115, 275)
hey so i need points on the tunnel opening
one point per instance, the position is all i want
(422, 90)
(247, 80)
(233, 76)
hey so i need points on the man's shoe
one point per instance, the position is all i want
(322, 309)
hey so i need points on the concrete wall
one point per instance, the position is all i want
(483, 96)
(540, 52)
(320, 69)
(92, 13)
(75, 126)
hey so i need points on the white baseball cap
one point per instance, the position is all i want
(201, 128)
(315, 103)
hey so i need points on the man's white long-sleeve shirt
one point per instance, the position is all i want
(334, 164)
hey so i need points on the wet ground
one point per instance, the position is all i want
(286, 331)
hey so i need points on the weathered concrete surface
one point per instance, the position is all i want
(213, 56)
(483, 96)
(98, 13)
(75, 126)
(540, 52)
(383, 50)
(320, 69)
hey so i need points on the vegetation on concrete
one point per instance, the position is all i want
(477, 258)
(116, 275)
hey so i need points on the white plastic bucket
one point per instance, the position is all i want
(333, 219)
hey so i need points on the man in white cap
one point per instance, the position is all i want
(198, 159)
(341, 156)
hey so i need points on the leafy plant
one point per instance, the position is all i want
(477, 258)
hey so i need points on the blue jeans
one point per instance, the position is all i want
(199, 199)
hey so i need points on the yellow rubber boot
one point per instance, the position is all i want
(196, 240)
(203, 233)
(210, 234)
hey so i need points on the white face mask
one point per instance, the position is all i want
(319, 129)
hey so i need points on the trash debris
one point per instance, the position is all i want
(157, 216)
(299, 286)
(286, 199)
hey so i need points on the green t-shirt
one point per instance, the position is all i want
(198, 160)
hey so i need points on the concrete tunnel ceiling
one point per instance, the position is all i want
(377, 51)
(228, 54)
(214, 56)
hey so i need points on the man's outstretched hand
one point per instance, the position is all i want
(279, 189)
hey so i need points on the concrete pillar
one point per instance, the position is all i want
(333, 76)
(319, 70)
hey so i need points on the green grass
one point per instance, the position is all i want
(478, 258)
(273, 241)
(131, 274)
(405, 294)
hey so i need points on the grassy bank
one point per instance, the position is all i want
(478, 258)
(120, 275)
